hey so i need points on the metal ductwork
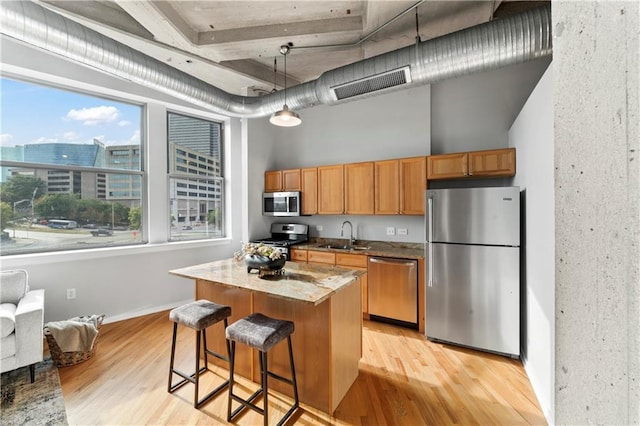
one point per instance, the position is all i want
(498, 43)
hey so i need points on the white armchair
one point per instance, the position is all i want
(21, 322)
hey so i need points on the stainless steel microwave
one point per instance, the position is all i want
(281, 203)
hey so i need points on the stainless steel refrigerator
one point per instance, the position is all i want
(473, 268)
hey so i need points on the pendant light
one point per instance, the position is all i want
(284, 117)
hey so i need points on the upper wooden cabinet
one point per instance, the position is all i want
(309, 177)
(413, 184)
(497, 162)
(331, 189)
(273, 181)
(447, 166)
(282, 180)
(400, 186)
(358, 188)
(489, 163)
(387, 187)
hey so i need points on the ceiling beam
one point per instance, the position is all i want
(292, 29)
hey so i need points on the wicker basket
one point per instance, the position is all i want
(65, 359)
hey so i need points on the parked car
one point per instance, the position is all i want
(187, 228)
(102, 232)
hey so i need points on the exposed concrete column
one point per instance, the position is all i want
(597, 188)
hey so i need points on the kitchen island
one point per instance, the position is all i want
(323, 302)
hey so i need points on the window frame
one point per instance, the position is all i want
(141, 173)
(191, 175)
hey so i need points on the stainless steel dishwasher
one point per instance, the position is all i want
(393, 290)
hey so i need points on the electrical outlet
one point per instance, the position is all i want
(402, 231)
(71, 293)
(318, 227)
(391, 230)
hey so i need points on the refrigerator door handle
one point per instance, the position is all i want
(429, 239)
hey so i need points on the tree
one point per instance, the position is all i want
(213, 217)
(120, 214)
(22, 187)
(6, 215)
(57, 206)
(135, 217)
(93, 211)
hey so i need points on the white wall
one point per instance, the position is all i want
(125, 282)
(532, 136)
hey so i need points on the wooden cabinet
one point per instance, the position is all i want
(497, 162)
(349, 260)
(282, 180)
(309, 178)
(273, 181)
(358, 188)
(331, 189)
(360, 262)
(447, 166)
(476, 164)
(400, 186)
(325, 257)
(413, 184)
(298, 255)
(387, 187)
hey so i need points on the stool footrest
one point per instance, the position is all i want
(186, 378)
(282, 379)
(217, 355)
(248, 403)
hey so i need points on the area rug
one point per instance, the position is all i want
(38, 403)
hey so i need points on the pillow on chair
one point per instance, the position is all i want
(14, 286)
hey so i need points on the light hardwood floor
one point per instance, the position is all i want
(404, 380)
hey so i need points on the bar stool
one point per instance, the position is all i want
(197, 315)
(262, 333)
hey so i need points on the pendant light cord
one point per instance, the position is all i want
(275, 74)
(285, 78)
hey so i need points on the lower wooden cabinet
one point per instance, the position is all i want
(360, 262)
(353, 261)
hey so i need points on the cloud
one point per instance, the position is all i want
(71, 136)
(135, 138)
(94, 116)
(5, 139)
(44, 140)
(124, 123)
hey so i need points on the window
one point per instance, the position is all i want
(69, 163)
(197, 143)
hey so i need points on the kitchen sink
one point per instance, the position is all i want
(343, 247)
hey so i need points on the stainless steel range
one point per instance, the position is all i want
(285, 235)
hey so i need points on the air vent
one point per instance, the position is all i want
(372, 84)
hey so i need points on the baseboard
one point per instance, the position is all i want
(142, 312)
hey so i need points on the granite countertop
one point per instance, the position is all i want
(376, 248)
(300, 282)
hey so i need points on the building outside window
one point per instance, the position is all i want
(68, 156)
(196, 178)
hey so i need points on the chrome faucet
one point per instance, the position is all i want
(352, 240)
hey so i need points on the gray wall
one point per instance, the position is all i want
(597, 199)
(475, 112)
(394, 125)
(532, 136)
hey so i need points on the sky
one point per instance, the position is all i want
(31, 113)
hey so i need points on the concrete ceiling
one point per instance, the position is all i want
(232, 44)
